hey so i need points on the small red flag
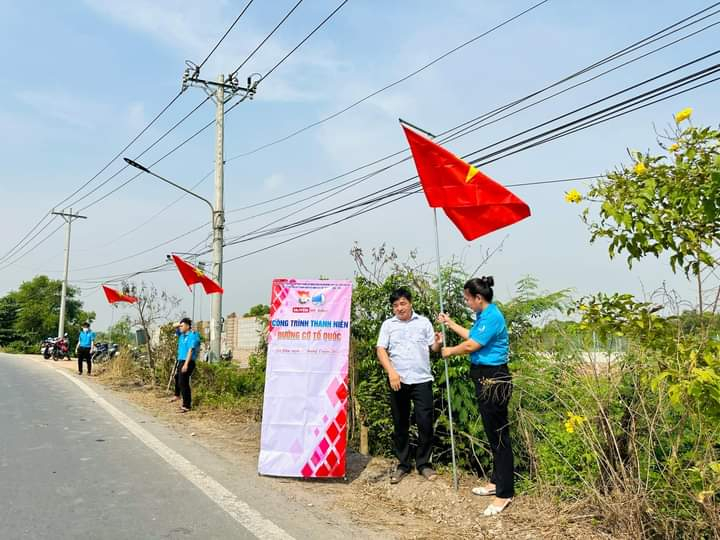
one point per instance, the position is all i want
(192, 274)
(114, 296)
(473, 201)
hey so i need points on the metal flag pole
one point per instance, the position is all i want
(447, 376)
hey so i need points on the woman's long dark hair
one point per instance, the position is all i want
(481, 286)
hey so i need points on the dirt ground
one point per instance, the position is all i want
(413, 509)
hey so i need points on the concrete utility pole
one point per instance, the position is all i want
(68, 217)
(221, 91)
(218, 225)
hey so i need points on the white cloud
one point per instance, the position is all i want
(67, 108)
(192, 28)
(274, 181)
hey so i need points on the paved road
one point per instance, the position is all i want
(68, 469)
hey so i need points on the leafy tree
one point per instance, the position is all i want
(8, 315)
(260, 310)
(665, 203)
(38, 310)
(120, 332)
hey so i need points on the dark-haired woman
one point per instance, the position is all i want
(487, 344)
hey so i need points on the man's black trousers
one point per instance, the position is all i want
(420, 397)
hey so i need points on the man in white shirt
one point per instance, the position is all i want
(403, 349)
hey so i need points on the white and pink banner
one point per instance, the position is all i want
(304, 424)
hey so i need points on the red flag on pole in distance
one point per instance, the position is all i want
(192, 274)
(473, 201)
(113, 296)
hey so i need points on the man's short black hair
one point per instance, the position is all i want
(400, 292)
(187, 321)
(86, 324)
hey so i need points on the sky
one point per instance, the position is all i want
(80, 79)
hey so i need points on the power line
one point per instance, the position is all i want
(663, 33)
(666, 72)
(211, 123)
(107, 279)
(497, 110)
(374, 205)
(124, 149)
(615, 94)
(156, 214)
(277, 26)
(302, 42)
(353, 182)
(503, 152)
(601, 116)
(237, 19)
(387, 86)
(38, 244)
(102, 170)
(415, 188)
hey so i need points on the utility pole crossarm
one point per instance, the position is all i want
(68, 217)
(221, 91)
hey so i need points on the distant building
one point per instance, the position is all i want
(241, 336)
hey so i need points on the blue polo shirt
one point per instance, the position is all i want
(491, 333)
(86, 338)
(188, 341)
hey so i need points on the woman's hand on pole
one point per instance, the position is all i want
(437, 345)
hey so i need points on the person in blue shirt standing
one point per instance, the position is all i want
(85, 347)
(188, 348)
(487, 344)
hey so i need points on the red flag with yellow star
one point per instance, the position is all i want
(473, 201)
(192, 275)
(114, 296)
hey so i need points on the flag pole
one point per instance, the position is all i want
(447, 376)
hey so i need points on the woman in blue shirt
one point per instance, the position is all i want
(487, 345)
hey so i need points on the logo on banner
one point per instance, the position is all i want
(303, 297)
(318, 299)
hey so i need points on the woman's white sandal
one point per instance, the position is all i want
(493, 510)
(483, 491)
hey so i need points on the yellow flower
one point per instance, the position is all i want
(582, 307)
(683, 115)
(573, 421)
(674, 147)
(573, 196)
(640, 168)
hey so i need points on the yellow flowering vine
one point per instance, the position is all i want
(683, 115)
(573, 196)
(574, 421)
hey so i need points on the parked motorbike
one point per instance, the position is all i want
(46, 348)
(62, 348)
(104, 351)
